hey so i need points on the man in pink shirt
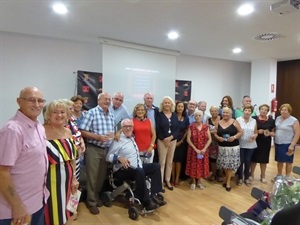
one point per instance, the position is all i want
(23, 163)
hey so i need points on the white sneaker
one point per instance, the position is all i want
(192, 186)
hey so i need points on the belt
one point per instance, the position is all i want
(97, 146)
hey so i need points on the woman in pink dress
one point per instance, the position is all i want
(197, 163)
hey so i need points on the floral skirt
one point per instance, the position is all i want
(229, 158)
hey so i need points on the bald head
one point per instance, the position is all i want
(31, 102)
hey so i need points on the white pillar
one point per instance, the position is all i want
(263, 81)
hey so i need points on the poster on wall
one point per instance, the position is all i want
(183, 90)
(89, 86)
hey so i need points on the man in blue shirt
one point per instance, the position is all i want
(128, 165)
(118, 109)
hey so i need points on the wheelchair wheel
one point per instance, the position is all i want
(133, 213)
(106, 199)
(160, 196)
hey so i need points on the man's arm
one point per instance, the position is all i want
(9, 193)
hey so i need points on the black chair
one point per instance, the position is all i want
(296, 170)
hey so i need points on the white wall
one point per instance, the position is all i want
(46, 63)
(49, 64)
(214, 78)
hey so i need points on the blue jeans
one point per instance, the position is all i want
(245, 155)
(37, 218)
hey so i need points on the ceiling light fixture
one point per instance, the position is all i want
(60, 8)
(236, 50)
(245, 10)
(173, 35)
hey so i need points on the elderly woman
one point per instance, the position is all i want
(228, 133)
(247, 144)
(197, 162)
(77, 112)
(265, 130)
(213, 147)
(166, 130)
(144, 133)
(61, 150)
(286, 137)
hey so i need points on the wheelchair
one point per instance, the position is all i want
(126, 188)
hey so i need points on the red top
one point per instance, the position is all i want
(142, 133)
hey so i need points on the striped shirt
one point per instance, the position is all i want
(98, 122)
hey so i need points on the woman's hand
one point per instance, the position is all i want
(74, 185)
(167, 141)
(291, 150)
(260, 131)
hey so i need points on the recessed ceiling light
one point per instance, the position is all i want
(236, 50)
(245, 10)
(173, 35)
(60, 8)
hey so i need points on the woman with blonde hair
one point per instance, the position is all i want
(228, 133)
(144, 133)
(166, 131)
(286, 137)
(61, 150)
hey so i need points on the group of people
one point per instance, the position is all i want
(163, 143)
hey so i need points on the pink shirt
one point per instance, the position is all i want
(23, 148)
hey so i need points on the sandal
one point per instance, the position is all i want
(247, 182)
(240, 182)
(263, 180)
(201, 186)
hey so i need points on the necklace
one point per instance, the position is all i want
(62, 133)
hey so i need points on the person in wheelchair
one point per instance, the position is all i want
(124, 154)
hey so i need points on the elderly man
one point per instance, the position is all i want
(202, 107)
(24, 163)
(118, 109)
(240, 111)
(152, 110)
(98, 129)
(128, 165)
(191, 108)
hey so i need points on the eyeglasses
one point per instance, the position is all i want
(127, 126)
(34, 100)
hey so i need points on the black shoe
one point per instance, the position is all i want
(151, 205)
(228, 188)
(158, 201)
(163, 190)
(171, 188)
(99, 203)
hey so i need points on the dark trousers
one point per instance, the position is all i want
(152, 170)
(245, 155)
(37, 218)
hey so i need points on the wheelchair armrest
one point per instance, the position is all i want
(228, 216)
(296, 170)
(257, 193)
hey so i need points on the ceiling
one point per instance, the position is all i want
(209, 28)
